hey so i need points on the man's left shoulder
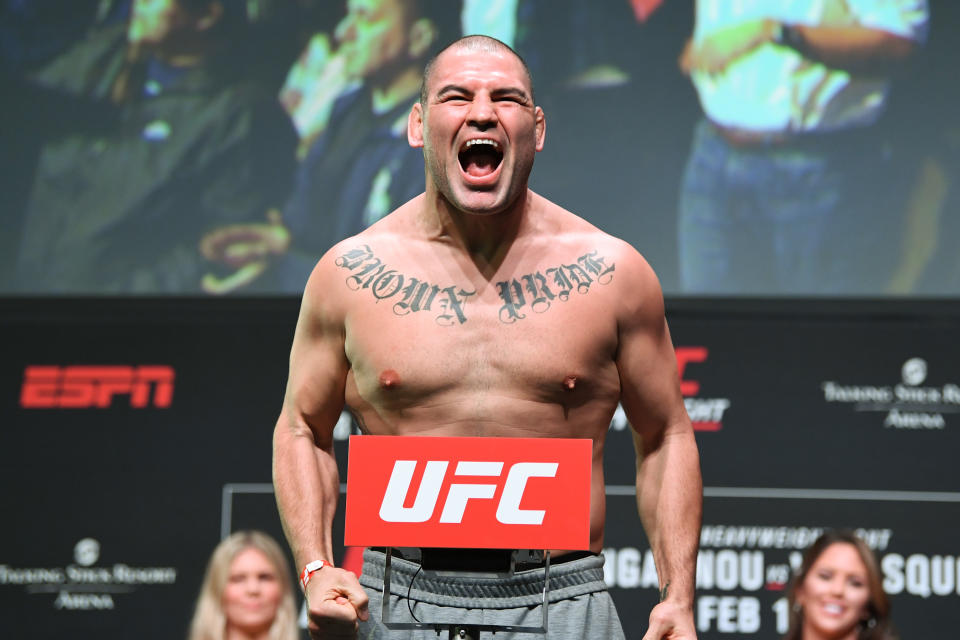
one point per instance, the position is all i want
(635, 278)
(613, 250)
(632, 279)
(568, 229)
(571, 224)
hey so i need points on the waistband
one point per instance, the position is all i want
(568, 579)
(483, 560)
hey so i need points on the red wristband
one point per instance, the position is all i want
(310, 569)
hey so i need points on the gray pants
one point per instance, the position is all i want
(579, 605)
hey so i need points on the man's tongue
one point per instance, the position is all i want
(479, 162)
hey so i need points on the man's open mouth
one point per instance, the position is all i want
(480, 157)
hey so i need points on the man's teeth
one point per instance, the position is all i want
(472, 143)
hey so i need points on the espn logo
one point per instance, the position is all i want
(96, 387)
(392, 507)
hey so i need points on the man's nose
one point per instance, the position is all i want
(482, 114)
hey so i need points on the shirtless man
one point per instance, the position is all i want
(516, 319)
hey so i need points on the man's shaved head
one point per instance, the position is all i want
(483, 44)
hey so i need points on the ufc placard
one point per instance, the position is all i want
(492, 493)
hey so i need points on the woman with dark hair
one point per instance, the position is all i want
(838, 592)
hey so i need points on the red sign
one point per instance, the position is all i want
(85, 387)
(686, 355)
(471, 493)
(706, 414)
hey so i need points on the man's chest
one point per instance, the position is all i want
(545, 329)
(454, 339)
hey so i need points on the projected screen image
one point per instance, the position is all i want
(220, 147)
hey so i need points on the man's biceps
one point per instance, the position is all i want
(639, 414)
(638, 354)
(651, 406)
(317, 369)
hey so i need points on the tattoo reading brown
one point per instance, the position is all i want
(409, 295)
(538, 290)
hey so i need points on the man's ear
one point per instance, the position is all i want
(540, 122)
(211, 17)
(415, 126)
(421, 36)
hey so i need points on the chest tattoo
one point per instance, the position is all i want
(537, 291)
(406, 293)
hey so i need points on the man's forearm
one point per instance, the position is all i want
(670, 501)
(307, 486)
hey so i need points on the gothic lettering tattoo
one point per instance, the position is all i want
(537, 291)
(408, 294)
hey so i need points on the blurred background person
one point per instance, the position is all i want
(164, 131)
(789, 187)
(32, 32)
(360, 167)
(930, 264)
(312, 86)
(838, 592)
(247, 592)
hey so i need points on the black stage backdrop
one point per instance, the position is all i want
(136, 433)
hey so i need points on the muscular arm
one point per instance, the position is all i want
(305, 475)
(305, 472)
(669, 486)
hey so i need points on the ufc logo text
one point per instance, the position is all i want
(494, 493)
(508, 509)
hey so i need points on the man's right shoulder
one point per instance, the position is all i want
(361, 255)
(346, 262)
(376, 240)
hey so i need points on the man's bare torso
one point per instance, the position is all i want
(481, 309)
(438, 344)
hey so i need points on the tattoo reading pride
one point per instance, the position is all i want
(372, 274)
(534, 289)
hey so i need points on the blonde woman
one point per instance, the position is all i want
(247, 593)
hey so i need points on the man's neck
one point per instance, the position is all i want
(400, 88)
(484, 237)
